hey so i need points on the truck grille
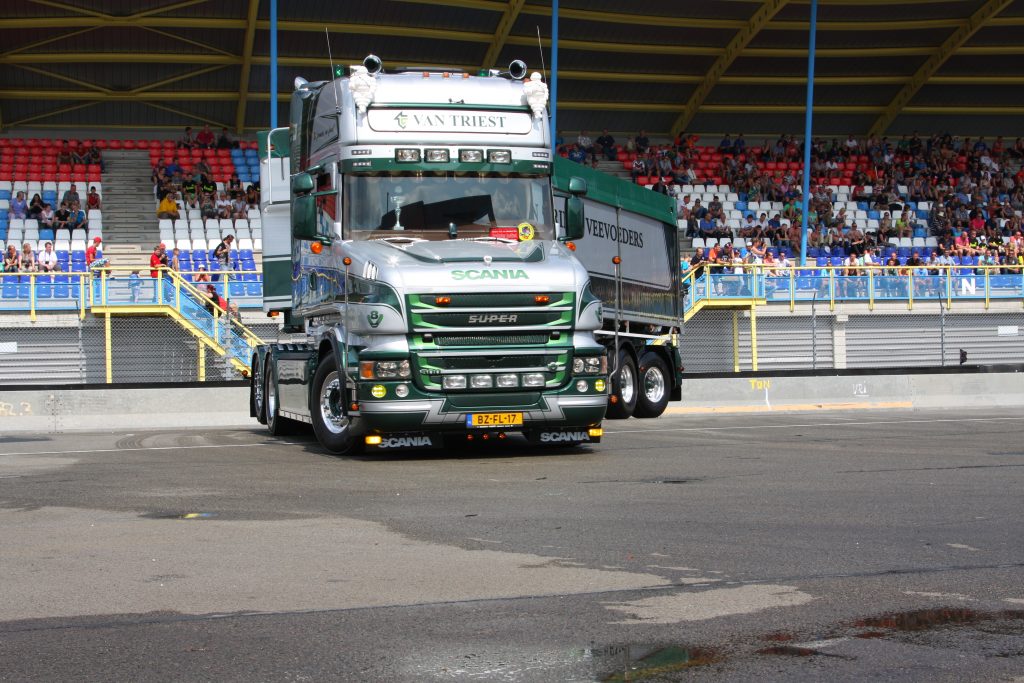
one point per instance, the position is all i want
(504, 311)
(490, 340)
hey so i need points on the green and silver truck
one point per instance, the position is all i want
(437, 274)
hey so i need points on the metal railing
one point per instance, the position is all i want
(869, 284)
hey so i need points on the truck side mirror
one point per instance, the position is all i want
(303, 207)
(574, 227)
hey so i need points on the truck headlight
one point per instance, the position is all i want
(481, 381)
(533, 379)
(454, 382)
(499, 156)
(384, 369)
(590, 365)
(405, 155)
(508, 381)
(437, 156)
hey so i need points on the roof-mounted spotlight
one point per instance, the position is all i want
(517, 69)
(373, 64)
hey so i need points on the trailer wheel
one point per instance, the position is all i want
(257, 387)
(276, 425)
(332, 426)
(624, 388)
(652, 399)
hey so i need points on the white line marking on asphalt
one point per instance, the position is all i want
(925, 594)
(1014, 601)
(151, 448)
(821, 644)
(961, 546)
(731, 428)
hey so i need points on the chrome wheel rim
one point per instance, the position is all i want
(654, 385)
(271, 401)
(330, 405)
(626, 384)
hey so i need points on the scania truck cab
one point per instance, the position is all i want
(410, 242)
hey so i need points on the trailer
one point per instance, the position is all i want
(432, 284)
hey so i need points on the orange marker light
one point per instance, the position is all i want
(347, 261)
(571, 246)
(541, 299)
(316, 247)
(442, 300)
(616, 260)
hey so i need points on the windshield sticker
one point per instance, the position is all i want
(526, 232)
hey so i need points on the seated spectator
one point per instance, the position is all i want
(202, 275)
(252, 195)
(585, 143)
(64, 153)
(173, 169)
(168, 207)
(95, 158)
(80, 155)
(234, 184)
(207, 185)
(35, 207)
(12, 259)
(205, 138)
(62, 216)
(202, 169)
(639, 168)
(223, 206)
(18, 207)
(189, 189)
(47, 218)
(48, 262)
(208, 207)
(78, 219)
(606, 145)
(642, 142)
(188, 140)
(71, 195)
(725, 146)
(92, 200)
(28, 259)
(95, 251)
(239, 208)
(225, 141)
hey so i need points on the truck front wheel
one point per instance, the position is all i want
(624, 388)
(276, 425)
(652, 399)
(332, 426)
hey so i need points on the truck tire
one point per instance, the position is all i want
(276, 425)
(332, 426)
(654, 385)
(257, 387)
(624, 387)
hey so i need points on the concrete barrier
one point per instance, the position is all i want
(173, 407)
(55, 410)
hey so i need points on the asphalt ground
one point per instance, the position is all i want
(841, 546)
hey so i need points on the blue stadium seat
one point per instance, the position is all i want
(822, 261)
(903, 253)
(10, 288)
(61, 292)
(874, 215)
(741, 205)
(78, 267)
(839, 251)
(813, 252)
(77, 256)
(46, 234)
(837, 260)
(862, 206)
(237, 289)
(254, 288)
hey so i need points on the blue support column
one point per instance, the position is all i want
(273, 64)
(554, 76)
(805, 200)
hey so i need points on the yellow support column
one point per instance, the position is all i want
(753, 338)
(109, 347)
(202, 361)
(81, 295)
(735, 341)
(32, 297)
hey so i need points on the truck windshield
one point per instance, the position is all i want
(426, 204)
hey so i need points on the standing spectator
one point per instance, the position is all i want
(12, 259)
(95, 251)
(28, 259)
(157, 260)
(205, 138)
(168, 208)
(135, 286)
(175, 260)
(48, 262)
(92, 200)
(18, 207)
(222, 254)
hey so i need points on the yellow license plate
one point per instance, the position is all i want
(494, 419)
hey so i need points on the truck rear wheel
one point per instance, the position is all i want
(652, 398)
(276, 425)
(624, 388)
(332, 426)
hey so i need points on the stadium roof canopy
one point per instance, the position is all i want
(704, 66)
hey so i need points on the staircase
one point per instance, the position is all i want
(129, 216)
